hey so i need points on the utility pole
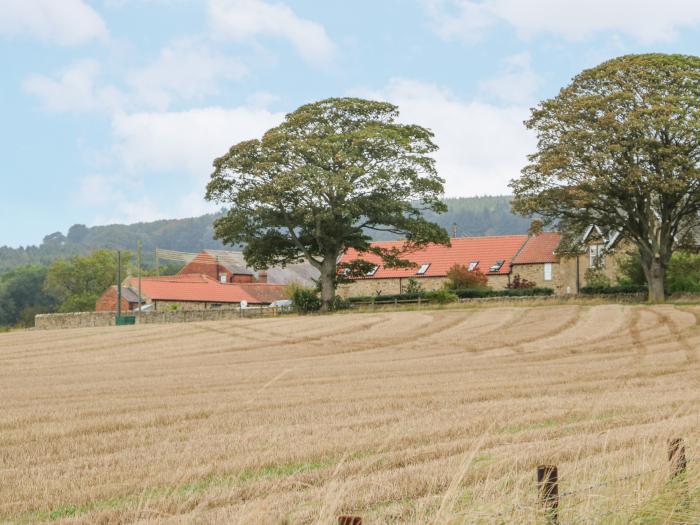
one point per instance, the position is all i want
(157, 264)
(138, 256)
(119, 284)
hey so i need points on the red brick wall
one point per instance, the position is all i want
(239, 278)
(108, 301)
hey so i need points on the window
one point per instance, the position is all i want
(473, 265)
(596, 256)
(547, 271)
(222, 278)
(373, 271)
(497, 265)
(423, 268)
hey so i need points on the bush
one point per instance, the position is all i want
(442, 296)
(468, 293)
(459, 277)
(340, 304)
(596, 278)
(508, 292)
(304, 299)
(608, 290)
(519, 282)
(413, 286)
(683, 273)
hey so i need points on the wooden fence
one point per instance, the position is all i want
(549, 498)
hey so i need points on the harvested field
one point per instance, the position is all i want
(434, 416)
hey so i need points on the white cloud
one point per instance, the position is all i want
(106, 194)
(186, 141)
(242, 20)
(482, 146)
(184, 70)
(644, 21)
(74, 89)
(516, 83)
(64, 22)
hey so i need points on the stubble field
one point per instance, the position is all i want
(434, 416)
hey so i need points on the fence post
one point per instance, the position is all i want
(349, 520)
(548, 489)
(676, 457)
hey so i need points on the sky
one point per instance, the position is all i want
(111, 111)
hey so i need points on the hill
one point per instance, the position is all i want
(488, 215)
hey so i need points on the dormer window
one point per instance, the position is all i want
(473, 266)
(497, 266)
(223, 278)
(423, 268)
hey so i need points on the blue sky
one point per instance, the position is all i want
(112, 110)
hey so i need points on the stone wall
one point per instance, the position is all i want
(370, 287)
(91, 319)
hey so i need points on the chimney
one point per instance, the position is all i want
(262, 277)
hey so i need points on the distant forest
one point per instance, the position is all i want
(472, 215)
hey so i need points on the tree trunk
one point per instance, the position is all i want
(655, 274)
(328, 270)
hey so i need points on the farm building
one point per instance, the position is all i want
(189, 292)
(229, 267)
(500, 258)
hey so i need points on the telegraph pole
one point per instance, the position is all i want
(139, 265)
(119, 284)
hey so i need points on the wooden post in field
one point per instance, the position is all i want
(676, 457)
(349, 520)
(548, 489)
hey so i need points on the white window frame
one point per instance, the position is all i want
(473, 265)
(372, 271)
(596, 256)
(547, 271)
(223, 278)
(423, 268)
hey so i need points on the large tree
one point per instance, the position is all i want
(620, 147)
(314, 185)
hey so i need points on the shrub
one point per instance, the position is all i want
(459, 277)
(519, 282)
(442, 296)
(468, 293)
(304, 299)
(596, 278)
(413, 286)
(683, 273)
(619, 289)
(340, 303)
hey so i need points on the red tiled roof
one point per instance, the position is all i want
(539, 249)
(486, 250)
(202, 288)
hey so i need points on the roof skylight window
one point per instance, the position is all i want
(423, 268)
(473, 265)
(497, 265)
(373, 271)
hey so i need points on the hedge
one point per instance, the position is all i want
(620, 289)
(468, 293)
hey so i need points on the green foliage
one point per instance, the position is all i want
(413, 286)
(596, 278)
(78, 282)
(630, 270)
(22, 295)
(442, 296)
(459, 277)
(613, 290)
(304, 299)
(519, 283)
(683, 275)
(469, 293)
(618, 148)
(311, 187)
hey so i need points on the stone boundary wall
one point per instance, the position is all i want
(92, 319)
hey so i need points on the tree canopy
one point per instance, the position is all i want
(315, 185)
(619, 147)
(78, 282)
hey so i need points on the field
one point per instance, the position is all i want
(434, 416)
